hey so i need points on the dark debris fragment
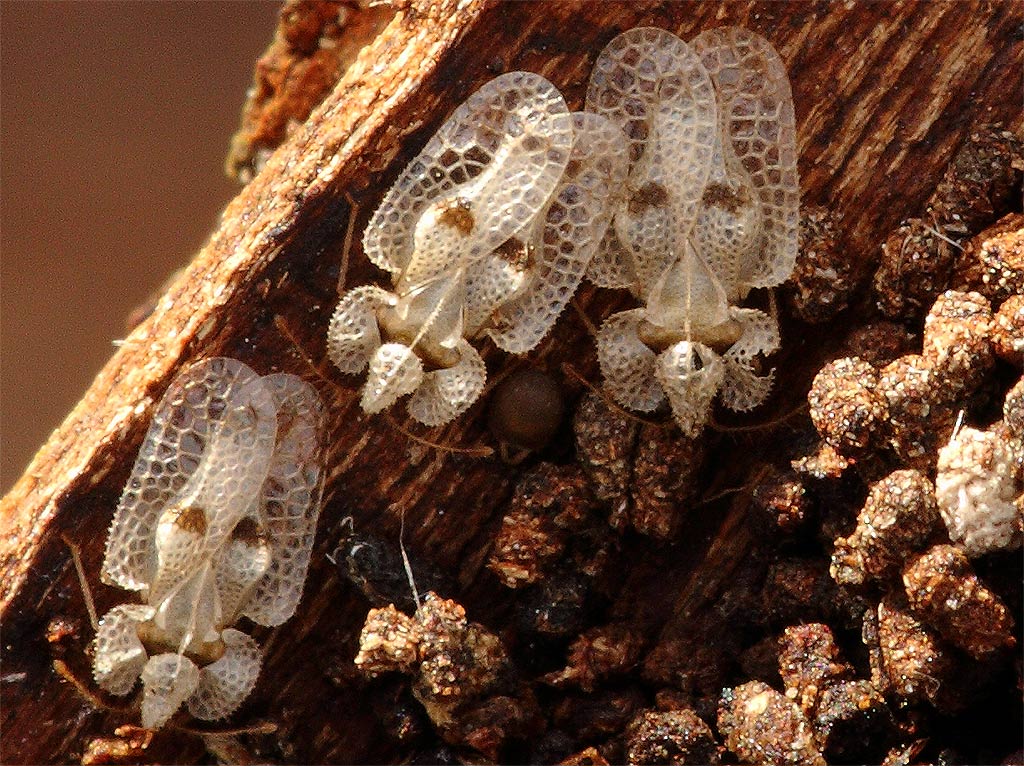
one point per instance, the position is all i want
(761, 725)
(822, 278)
(460, 672)
(665, 480)
(671, 737)
(944, 590)
(852, 723)
(553, 517)
(981, 184)
(598, 654)
(899, 517)
(809, 662)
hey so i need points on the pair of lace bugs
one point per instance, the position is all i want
(215, 523)
(677, 182)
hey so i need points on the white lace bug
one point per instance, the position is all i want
(488, 231)
(215, 523)
(710, 211)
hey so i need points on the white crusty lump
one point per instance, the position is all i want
(488, 231)
(215, 523)
(977, 489)
(709, 211)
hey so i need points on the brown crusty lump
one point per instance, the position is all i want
(761, 725)
(908, 660)
(810, 661)
(600, 653)
(648, 474)
(1008, 331)
(461, 673)
(919, 419)
(822, 279)
(957, 343)
(552, 516)
(605, 443)
(670, 737)
(993, 261)
(920, 255)
(899, 517)
(942, 588)
(846, 407)
(665, 480)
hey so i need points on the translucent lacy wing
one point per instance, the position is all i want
(627, 364)
(394, 372)
(612, 265)
(484, 175)
(651, 85)
(756, 109)
(567, 234)
(167, 681)
(290, 501)
(225, 683)
(353, 334)
(688, 296)
(222, 490)
(172, 454)
(742, 388)
(119, 654)
(491, 282)
(446, 393)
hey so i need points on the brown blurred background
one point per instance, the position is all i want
(115, 120)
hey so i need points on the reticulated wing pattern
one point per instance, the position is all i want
(225, 683)
(394, 372)
(237, 460)
(612, 265)
(756, 110)
(627, 364)
(240, 564)
(289, 503)
(120, 656)
(491, 282)
(171, 456)
(167, 681)
(653, 86)
(742, 388)
(500, 154)
(567, 234)
(353, 334)
(446, 393)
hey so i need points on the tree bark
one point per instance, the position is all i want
(884, 93)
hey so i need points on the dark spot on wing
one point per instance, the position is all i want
(651, 194)
(515, 252)
(719, 195)
(247, 531)
(191, 519)
(457, 217)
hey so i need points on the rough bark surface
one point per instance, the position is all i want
(884, 93)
